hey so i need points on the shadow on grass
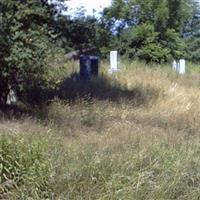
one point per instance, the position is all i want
(104, 88)
(36, 100)
(9, 112)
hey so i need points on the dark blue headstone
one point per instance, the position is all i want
(94, 65)
(89, 66)
(85, 67)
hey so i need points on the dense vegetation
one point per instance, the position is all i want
(33, 31)
(130, 135)
(26, 39)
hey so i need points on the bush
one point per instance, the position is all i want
(145, 43)
(26, 39)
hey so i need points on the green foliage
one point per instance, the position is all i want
(192, 34)
(76, 33)
(145, 43)
(179, 13)
(149, 30)
(193, 50)
(84, 32)
(26, 38)
(45, 86)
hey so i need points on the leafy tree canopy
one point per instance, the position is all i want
(26, 38)
(150, 30)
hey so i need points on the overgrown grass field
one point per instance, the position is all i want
(131, 135)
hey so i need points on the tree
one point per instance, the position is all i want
(83, 32)
(192, 34)
(150, 30)
(26, 38)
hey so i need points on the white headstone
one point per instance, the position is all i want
(179, 66)
(182, 66)
(174, 65)
(11, 98)
(113, 61)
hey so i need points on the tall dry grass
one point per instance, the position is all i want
(132, 135)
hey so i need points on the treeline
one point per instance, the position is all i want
(149, 30)
(31, 31)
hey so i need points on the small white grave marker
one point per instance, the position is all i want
(174, 65)
(113, 62)
(11, 98)
(181, 68)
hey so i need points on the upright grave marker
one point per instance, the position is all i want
(179, 66)
(174, 65)
(11, 98)
(113, 62)
(89, 66)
